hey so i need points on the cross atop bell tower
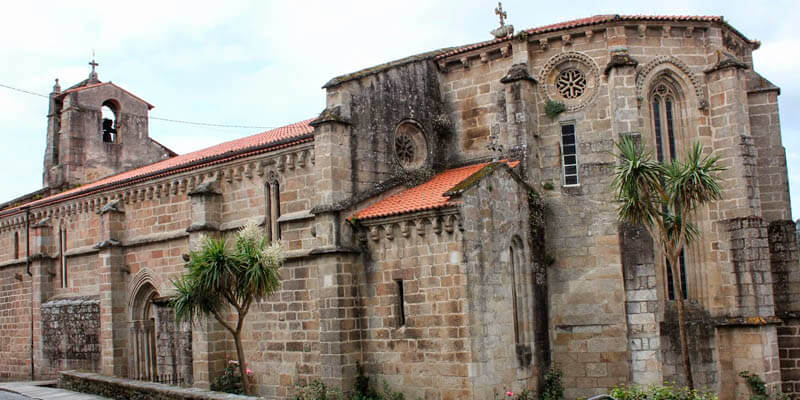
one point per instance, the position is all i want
(93, 74)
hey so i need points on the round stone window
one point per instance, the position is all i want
(571, 83)
(570, 78)
(410, 148)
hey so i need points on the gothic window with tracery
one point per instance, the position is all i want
(571, 83)
(665, 112)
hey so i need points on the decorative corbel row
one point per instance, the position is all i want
(437, 224)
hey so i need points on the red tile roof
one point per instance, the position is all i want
(427, 196)
(94, 85)
(244, 147)
(594, 20)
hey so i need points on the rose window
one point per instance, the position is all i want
(404, 148)
(410, 149)
(571, 83)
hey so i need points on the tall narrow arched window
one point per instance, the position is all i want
(665, 115)
(16, 245)
(521, 302)
(109, 126)
(272, 209)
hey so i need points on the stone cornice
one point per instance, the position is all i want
(299, 156)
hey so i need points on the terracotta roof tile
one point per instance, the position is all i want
(593, 20)
(280, 137)
(427, 196)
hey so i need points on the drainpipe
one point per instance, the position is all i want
(30, 274)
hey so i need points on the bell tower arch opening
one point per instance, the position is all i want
(109, 127)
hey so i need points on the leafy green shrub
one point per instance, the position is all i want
(230, 381)
(653, 392)
(553, 108)
(552, 387)
(759, 388)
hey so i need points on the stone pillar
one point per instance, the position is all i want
(730, 125)
(42, 268)
(113, 282)
(641, 305)
(521, 113)
(337, 296)
(209, 338)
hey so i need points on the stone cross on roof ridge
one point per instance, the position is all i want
(504, 30)
(502, 14)
(93, 63)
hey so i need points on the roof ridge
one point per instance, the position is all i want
(290, 134)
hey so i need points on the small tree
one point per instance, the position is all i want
(663, 198)
(219, 276)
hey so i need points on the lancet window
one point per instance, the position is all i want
(665, 114)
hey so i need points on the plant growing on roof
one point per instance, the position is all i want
(663, 198)
(220, 276)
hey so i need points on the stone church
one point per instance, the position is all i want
(448, 220)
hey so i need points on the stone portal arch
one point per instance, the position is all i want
(144, 363)
(160, 348)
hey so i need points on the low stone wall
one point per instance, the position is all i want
(71, 337)
(127, 389)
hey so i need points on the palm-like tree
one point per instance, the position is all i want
(219, 276)
(663, 198)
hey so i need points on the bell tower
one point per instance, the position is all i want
(96, 129)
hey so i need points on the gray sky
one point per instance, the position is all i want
(262, 63)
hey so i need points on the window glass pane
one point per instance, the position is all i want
(570, 160)
(670, 129)
(568, 139)
(571, 180)
(657, 127)
(569, 150)
(567, 129)
(570, 169)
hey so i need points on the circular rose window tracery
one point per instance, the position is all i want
(410, 148)
(571, 83)
(571, 78)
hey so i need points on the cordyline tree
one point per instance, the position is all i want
(220, 276)
(663, 198)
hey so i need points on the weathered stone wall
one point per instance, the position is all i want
(427, 355)
(476, 104)
(747, 348)
(15, 300)
(703, 345)
(495, 216)
(789, 351)
(379, 103)
(785, 267)
(772, 176)
(70, 330)
(642, 306)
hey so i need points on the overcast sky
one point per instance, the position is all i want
(262, 63)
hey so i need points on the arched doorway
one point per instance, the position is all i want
(144, 358)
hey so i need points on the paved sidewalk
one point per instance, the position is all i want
(37, 390)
